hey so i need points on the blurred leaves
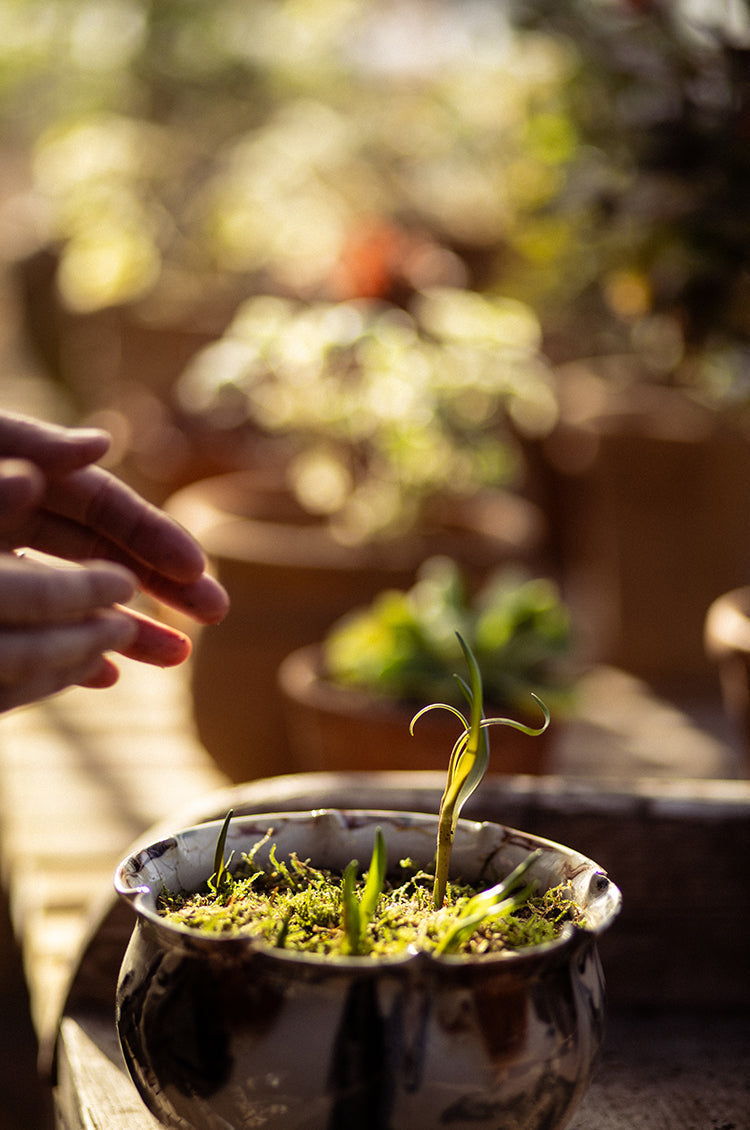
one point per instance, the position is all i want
(380, 408)
(588, 158)
(404, 645)
(296, 138)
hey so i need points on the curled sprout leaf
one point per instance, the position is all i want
(222, 880)
(357, 913)
(504, 898)
(468, 762)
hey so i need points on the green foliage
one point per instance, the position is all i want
(405, 646)
(658, 100)
(378, 409)
(294, 154)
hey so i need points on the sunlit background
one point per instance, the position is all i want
(400, 256)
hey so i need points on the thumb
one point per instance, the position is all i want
(22, 486)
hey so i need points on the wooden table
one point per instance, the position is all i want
(84, 775)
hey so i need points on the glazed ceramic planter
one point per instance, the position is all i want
(333, 728)
(222, 1033)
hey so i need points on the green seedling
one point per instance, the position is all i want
(468, 764)
(222, 880)
(357, 913)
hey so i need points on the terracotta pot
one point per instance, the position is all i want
(335, 728)
(219, 1031)
(727, 640)
(647, 493)
(289, 580)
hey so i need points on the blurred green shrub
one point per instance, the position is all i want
(404, 644)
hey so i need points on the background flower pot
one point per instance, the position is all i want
(647, 492)
(289, 580)
(727, 640)
(336, 728)
(220, 1031)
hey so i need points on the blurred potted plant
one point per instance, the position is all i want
(646, 492)
(375, 664)
(391, 445)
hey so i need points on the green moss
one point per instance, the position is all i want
(300, 907)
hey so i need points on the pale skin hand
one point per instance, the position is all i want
(58, 621)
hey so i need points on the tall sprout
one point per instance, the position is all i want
(468, 762)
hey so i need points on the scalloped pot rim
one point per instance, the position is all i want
(331, 838)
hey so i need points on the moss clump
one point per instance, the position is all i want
(299, 907)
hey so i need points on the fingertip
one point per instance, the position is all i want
(92, 435)
(157, 644)
(175, 649)
(89, 443)
(207, 600)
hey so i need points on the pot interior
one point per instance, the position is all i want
(331, 838)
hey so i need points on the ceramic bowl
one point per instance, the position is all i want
(221, 1032)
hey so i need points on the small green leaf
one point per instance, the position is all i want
(221, 879)
(375, 879)
(281, 937)
(350, 908)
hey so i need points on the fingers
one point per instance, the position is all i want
(22, 486)
(39, 660)
(201, 597)
(56, 450)
(155, 643)
(85, 513)
(56, 623)
(34, 592)
(110, 514)
(204, 600)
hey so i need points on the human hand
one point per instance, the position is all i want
(53, 500)
(56, 623)
(56, 501)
